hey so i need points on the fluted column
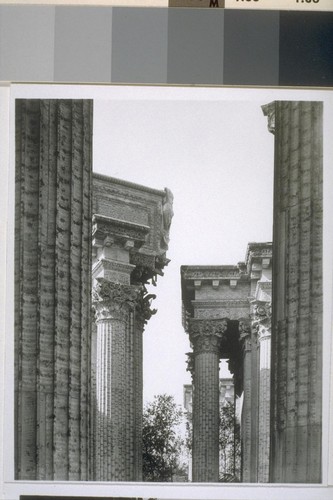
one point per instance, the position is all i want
(297, 292)
(205, 336)
(262, 319)
(247, 409)
(52, 288)
(264, 338)
(115, 392)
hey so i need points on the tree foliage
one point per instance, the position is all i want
(162, 444)
(229, 441)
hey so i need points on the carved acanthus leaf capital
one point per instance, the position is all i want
(114, 300)
(245, 327)
(206, 334)
(143, 310)
(269, 111)
(190, 363)
(205, 327)
(262, 318)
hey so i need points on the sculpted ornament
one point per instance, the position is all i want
(143, 310)
(204, 327)
(206, 334)
(261, 318)
(114, 300)
(190, 363)
(208, 343)
(167, 214)
(269, 111)
(261, 310)
(244, 327)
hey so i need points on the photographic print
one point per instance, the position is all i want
(168, 302)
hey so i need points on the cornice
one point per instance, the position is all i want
(107, 224)
(258, 250)
(218, 304)
(132, 185)
(210, 272)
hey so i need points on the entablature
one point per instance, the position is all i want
(258, 257)
(107, 231)
(138, 204)
(211, 273)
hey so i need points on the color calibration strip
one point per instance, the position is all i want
(185, 46)
(294, 5)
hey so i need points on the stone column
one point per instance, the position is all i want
(262, 319)
(114, 437)
(52, 288)
(122, 304)
(247, 416)
(205, 336)
(297, 292)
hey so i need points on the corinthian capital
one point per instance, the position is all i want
(204, 327)
(269, 111)
(261, 311)
(206, 334)
(245, 332)
(114, 300)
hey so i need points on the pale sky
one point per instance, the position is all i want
(217, 158)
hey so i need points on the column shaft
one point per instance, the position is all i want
(113, 440)
(264, 408)
(138, 394)
(52, 288)
(206, 418)
(118, 372)
(297, 294)
(246, 423)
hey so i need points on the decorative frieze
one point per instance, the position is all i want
(210, 272)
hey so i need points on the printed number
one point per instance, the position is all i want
(307, 1)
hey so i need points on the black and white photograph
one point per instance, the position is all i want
(170, 292)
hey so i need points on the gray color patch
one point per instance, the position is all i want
(195, 46)
(251, 44)
(139, 45)
(83, 44)
(26, 43)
